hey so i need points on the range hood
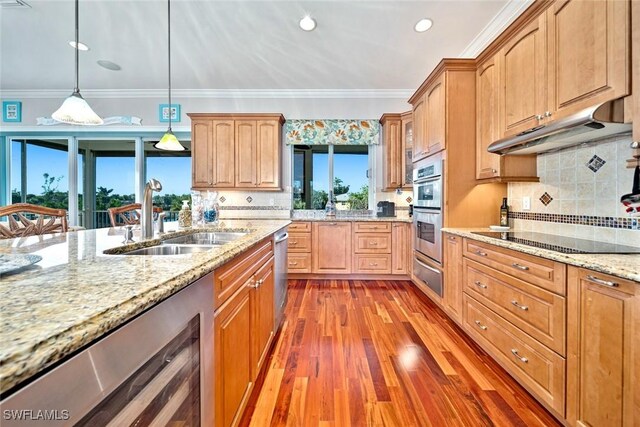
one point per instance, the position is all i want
(591, 124)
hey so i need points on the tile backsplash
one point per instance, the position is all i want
(579, 193)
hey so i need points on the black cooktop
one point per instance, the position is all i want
(567, 245)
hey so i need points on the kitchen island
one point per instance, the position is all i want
(77, 293)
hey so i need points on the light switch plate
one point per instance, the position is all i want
(526, 203)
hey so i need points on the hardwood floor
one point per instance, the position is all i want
(378, 353)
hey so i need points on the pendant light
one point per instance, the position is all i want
(75, 110)
(169, 142)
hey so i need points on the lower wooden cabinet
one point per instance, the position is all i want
(452, 298)
(331, 244)
(400, 248)
(603, 341)
(232, 349)
(263, 315)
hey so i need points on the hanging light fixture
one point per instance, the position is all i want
(169, 141)
(75, 110)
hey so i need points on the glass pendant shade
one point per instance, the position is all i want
(169, 142)
(75, 111)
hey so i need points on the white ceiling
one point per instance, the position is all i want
(236, 44)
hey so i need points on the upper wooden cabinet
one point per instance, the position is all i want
(236, 151)
(397, 140)
(493, 167)
(588, 54)
(573, 55)
(434, 111)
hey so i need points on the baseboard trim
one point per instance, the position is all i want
(316, 276)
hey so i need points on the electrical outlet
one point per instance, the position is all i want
(526, 203)
(271, 202)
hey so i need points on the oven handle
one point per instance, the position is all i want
(429, 179)
(432, 210)
(426, 266)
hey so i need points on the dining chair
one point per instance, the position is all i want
(129, 214)
(19, 224)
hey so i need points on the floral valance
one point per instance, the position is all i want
(332, 132)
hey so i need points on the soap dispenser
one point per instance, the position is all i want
(184, 216)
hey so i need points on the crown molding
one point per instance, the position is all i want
(495, 27)
(216, 93)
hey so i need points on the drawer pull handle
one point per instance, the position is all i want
(333, 223)
(253, 284)
(479, 284)
(373, 243)
(481, 253)
(373, 264)
(519, 266)
(480, 325)
(602, 282)
(521, 307)
(453, 239)
(522, 359)
(293, 263)
(293, 242)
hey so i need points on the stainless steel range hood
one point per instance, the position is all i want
(591, 124)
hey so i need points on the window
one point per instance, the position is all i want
(319, 169)
(173, 170)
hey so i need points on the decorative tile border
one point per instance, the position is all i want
(595, 221)
(254, 208)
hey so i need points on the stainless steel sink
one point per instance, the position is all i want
(170, 250)
(214, 238)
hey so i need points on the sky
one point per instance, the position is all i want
(116, 173)
(350, 168)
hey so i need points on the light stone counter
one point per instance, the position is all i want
(623, 266)
(76, 293)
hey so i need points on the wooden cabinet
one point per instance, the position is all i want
(299, 254)
(452, 298)
(588, 54)
(400, 248)
(603, 350)
(243, 328)
(331, 244)
(262, 315)
(489, 166)
(393, 153)
(236, 151)
(420, 147)
(232, 352)
(435, 115)
(523, 90)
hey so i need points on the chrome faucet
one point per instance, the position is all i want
(146, 221)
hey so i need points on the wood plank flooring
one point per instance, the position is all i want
(378, 353)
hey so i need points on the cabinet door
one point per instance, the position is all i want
(435, 116)
(487, 118)
(453, 277)
(393, 154)
(331, 242)
(588, 53)
(232, 349)
(263, 315)
(246, 151)
(201, 153)
(268, 154)
(603, 349)
(407, 151)
(400, 247)
(419, 130)
(223, 158)
(523, 71)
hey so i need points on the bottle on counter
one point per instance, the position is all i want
(184, 216)
(504, 213)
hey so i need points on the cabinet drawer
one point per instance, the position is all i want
(299, 242)
(536, 311)
(539, 271)
(299, 262)
(301, 226)
(369, 263)
(231, 276)
(372, 243)
(372, 227)
(539, 369)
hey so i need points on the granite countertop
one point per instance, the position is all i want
(76, 293)
(625, 266)
(401, 216)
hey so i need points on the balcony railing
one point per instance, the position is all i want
(101, 218)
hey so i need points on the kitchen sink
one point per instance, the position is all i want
(170, 250)
(217, 238)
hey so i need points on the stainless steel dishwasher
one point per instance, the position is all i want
(280, 297)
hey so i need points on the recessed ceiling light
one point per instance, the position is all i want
(109, 65)
(423, 25)
(308, 23)
(81, 46)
